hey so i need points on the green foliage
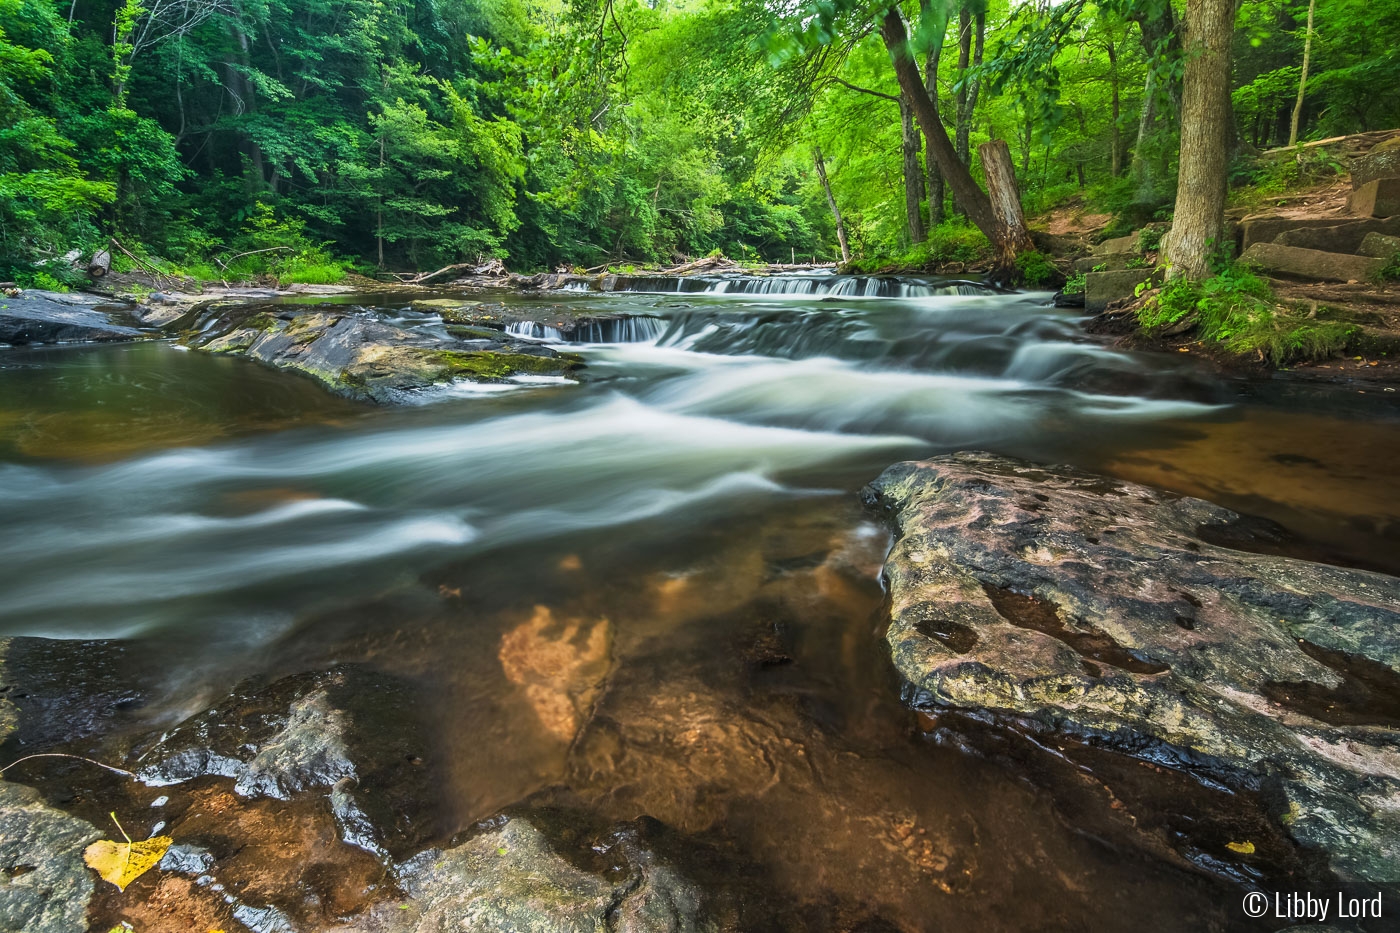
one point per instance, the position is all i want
(1391, 271)
(1074, 285)
(1237, 310)
(1035, 268)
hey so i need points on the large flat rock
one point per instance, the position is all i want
(51, 317)
(1313, 264)
(1098, 609)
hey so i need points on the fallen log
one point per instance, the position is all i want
(100, 263)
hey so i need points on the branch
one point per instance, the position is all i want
(864, 90)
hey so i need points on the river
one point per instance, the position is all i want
(694, 498)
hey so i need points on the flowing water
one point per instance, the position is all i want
(683, 520)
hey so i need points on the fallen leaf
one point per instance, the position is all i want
(123, 862)
(1243, 848)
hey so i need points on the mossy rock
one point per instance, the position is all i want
(488, 364)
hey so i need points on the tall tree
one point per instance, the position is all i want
(1205, 114)
(1302, 78)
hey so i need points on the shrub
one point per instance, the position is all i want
(1035, 268)
(1237, 310)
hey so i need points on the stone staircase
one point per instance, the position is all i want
(1349, 243)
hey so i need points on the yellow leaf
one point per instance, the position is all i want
(123, 862)
(1243, 848)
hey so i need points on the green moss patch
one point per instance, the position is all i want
(486, 364)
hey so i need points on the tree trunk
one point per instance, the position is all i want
(1012, 236)
(100, 263)
(972, 35)
(1205, 112)
(1303, 78)
(913, 174)
(934, 185)
(831, 200)
(965, 191)
(1115, 160)
(1143, 175)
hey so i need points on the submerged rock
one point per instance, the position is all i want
(348, 731)
(357, 354)
(1109, 611)
(509, 880)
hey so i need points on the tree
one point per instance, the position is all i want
(1205, 114)
(1302, 78)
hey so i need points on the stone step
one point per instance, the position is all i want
(1121, 244)
(1342, 234)
(1379, 198)
(1316, 264)
(1382, 161)
(1102, 288)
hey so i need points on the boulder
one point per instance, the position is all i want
(1108, 612)
(1314, 264)
(1122, 244)
(1380, 246)
(1342, 234)
(1378, 198)
(355, 353)
(1102, 288)
(54, 317)
(1382, 161)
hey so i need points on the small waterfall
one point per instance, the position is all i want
(818, 286)
(632, 329)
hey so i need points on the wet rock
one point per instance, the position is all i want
(62, 690)
(54, 317)
(356, 354)
(44, 885)
(509, 880)
(349, 730)
(1101, 609)
(1313, 264)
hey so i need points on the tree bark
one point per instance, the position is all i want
(1115, 161)
(1012, 236)
(1205, 112)
(934, 185)
(972, 199)
(1143, 176)
(1303, 78)
(100, 263)
(972, 32)
(913, 174)
(831, 200)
